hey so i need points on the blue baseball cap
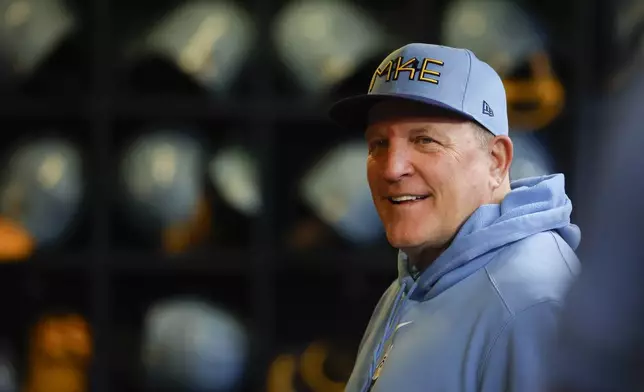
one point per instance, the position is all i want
(451, 79)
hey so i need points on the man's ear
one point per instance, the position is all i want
(501, 154)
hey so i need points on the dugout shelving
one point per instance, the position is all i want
(260, 278)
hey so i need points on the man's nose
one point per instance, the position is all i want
(397, 163)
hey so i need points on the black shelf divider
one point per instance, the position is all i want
(211, 262)
(53, 108)
(350, 263)
(99, 274)
(69, 261)
(262, 107)
(263, 272)
(171, 106)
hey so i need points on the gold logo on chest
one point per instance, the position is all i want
(381, 364)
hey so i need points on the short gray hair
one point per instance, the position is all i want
(483, 136)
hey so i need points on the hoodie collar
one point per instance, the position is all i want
(534, 205)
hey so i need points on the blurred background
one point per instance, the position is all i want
(177, 213)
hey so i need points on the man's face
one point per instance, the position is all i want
(427, 176)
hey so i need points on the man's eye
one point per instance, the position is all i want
(424, 140)
(378, 143)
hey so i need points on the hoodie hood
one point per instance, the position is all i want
(533, 205)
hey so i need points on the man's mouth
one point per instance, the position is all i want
(406, 199)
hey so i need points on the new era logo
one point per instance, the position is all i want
(487, 109)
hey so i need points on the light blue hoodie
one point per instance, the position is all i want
(483, 315)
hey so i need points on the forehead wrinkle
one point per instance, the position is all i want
(390, 114)
(410, 127)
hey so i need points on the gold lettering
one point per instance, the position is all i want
(424, 71)
(407, 66)
(379, 72)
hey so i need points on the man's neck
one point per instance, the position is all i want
(420, 259)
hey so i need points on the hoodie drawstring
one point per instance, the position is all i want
(390, 326)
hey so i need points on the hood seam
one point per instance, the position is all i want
(493, 282)
(565, 259)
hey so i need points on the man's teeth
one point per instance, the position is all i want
(399, 199)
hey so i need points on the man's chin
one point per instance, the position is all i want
(405, 242)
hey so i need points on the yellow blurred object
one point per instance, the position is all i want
(60, 352)
(543, 91)
(305, 371)
(312, 369)
(281, 374)
(182, 235)
(16, 244)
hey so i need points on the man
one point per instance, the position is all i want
(483, 263)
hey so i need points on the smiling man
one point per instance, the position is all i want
(484, 262)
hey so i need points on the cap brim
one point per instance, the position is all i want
(353, 112)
